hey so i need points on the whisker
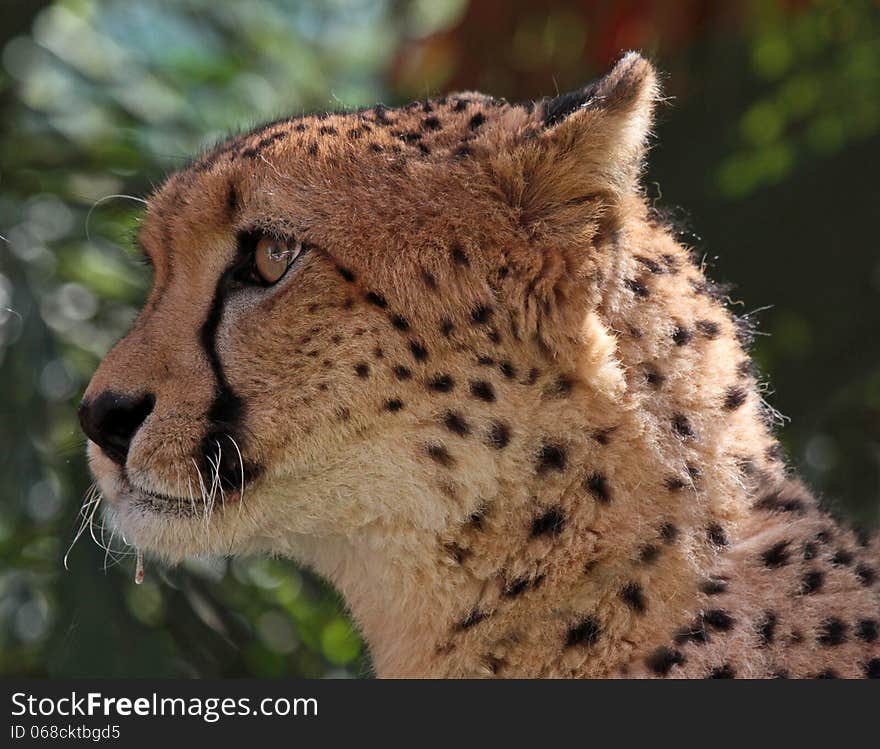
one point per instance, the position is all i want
(203, 488)
(93, 499)
(104, 200)
(240, 463)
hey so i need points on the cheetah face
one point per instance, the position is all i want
(329, 291)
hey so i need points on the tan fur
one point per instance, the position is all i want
(579, 442)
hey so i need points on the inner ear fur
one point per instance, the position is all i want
(585, 153)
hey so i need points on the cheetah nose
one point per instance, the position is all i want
(111, 421)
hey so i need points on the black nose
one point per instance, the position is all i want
(111, 420)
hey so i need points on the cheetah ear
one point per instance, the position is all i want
(590, 145)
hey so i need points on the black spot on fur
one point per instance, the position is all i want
(483, 390)
(867, 630)
(402, 373)
(400, 322)
(440, 454)
(362, 369)
(716, 535)
(419, 352)
(637, 288)
(481, 314)
(872, 669)
(775, 453)
(634, 597)
(810, 550)
(668, 532)
(499, 435)
(446, 328)
(454, 422)
(345, 273)
(682, 426)
(458, 256)
(648, 554)
(441, 383)
(832, 632)
(376, 299)
(232, 200)
(777, 555)
(477, 517)
(767, 628)
(674, 483)
(866, 575)
(718, 619)
(722, 672)
(663, 659)
(457, 553)
(778, 501)
(380, 113)
(714, 587)
(651, 265)
(472, 619)
(597, 485)
(393, 405)
(551, 458)
(603, 436)
(709, 328)
(478, 119)
(430, 280)
(520, 585)
(653, 377)
(746, 369)
(583, 634)
(842, 558)
(812, 581)
(262, 144)
(431, 123)
(734, 398)
(507, 369)
(681, 336)
(551, 523)
(560, 388)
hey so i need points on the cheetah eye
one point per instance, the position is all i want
(273, 257)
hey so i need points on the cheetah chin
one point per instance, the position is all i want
(447, 356)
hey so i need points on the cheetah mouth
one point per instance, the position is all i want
(203, 505)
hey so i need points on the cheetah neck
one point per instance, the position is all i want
(589, 535)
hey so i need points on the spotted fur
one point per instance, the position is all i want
(495, 402)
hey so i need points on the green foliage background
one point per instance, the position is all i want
(770, 144)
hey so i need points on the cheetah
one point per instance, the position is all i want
(446, 356)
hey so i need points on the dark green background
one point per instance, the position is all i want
(766, 159)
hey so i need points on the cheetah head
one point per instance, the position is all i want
(342, 310)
